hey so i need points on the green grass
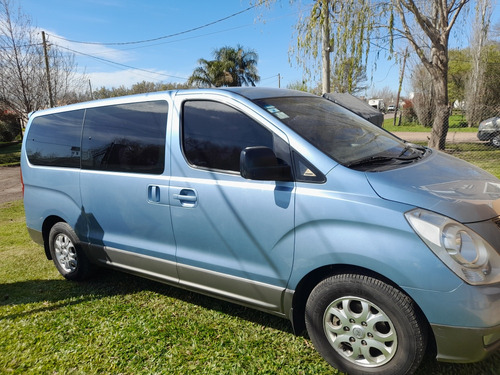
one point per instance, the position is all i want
(456, 123)
(10, 153)
(118, 323)
(482, 155)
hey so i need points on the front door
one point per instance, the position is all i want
(234, 236)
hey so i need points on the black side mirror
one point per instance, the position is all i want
(260, 163)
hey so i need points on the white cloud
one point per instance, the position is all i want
(129, 77)
(86, 50)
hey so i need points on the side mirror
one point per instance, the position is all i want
(260, 163)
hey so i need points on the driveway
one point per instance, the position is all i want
(10, 184)
(452, 137)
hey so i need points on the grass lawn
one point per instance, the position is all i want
(455, 124)
(482, 155)
(10, 153)
(118, 323)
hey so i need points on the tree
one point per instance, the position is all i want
(240, 64)
(458, 70)
(23, 77)
(427, 26)
(210, 73)
(230, 67)
(339, 27)
(423, 102)
(476, 85)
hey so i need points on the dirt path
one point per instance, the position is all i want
(452, 137)
(10, 184)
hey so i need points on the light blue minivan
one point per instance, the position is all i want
(281, 201)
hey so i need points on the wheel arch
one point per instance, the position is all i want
(313, 278)
(47, 225)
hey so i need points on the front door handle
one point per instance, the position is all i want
(184, 197)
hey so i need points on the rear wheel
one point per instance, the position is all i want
(66, 252)
(362, 325)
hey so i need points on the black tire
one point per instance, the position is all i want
(495, 141)
(67, 254)
(362, 325)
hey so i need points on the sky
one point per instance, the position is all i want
(179, 33)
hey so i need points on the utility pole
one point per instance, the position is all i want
(326, 49)
(279, 80)
(91, 92)
(400, 86)
(51, 100)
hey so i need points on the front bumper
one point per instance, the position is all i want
(463, 345)
(486, 135)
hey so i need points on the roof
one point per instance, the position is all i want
(357, 106)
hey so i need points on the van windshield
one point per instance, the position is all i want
(341, 134)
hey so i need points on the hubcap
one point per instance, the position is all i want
(65, 252)
(360, 331)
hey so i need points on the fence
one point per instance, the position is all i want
(478, 144)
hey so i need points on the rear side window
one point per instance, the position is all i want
(214, 135)
(125, 137)
(54, 140)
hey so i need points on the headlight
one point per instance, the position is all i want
(465, 252)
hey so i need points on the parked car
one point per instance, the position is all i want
(281, 201)
(391, 108)
(489, 130)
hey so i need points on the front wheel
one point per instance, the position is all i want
(495, 141)
(362, 325)
(66, 252)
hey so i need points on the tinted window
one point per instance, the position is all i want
(125, 137)
(214, 135)
(55, 139)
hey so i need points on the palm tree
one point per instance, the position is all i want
(242, 64)
(211, 73)
(231, 67)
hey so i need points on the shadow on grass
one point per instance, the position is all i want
(57, 294)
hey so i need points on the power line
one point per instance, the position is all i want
(119, 64)
(161, 37)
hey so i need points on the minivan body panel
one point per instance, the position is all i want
(331, 230)
(442, 184)
(60, 186)
(120, 211)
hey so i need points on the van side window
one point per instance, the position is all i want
(54, 140)
(214, 134)
(125, 137)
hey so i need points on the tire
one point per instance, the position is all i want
(67, 254)
(495, 141)
(362, 325)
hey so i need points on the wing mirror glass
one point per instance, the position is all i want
(261, 163)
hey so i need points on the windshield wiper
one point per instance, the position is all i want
(372, 160)
(417, 153)
(413, 148)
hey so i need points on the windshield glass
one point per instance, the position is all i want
(344, 136)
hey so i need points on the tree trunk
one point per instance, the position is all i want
(441, 117)
(439, 72)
